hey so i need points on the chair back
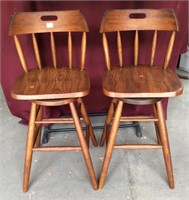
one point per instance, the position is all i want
(138, 21)
(49, 22)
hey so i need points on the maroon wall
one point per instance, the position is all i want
(95, 63)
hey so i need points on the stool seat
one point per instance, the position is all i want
(51, 83)
(141, 81)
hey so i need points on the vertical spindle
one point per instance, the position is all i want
(83, 50)
(20, 53)
(106, 51)
(169, 50)
(53, 50)
(154, 43)
(119, 47)
(136, 46)
(36, 50)
(69, 49)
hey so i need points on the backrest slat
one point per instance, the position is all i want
(140, 22)
(106, 51)
(136, 46)
(138, 19)
(47, 21)
(69, 50)
(169, 50)
(154, 43)
(119, 47)
(53, 49)
(20, 53)
(53, 24)
(36, 50)
(83, 50)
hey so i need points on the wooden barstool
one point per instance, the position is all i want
(53, 85)
(138, 84)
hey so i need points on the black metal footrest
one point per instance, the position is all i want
(47, 129)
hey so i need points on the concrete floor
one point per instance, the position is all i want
(133, 175)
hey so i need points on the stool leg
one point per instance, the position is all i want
(165, 143)
(84, 146)
(110, 144)
(39, 117)
(108, 128)
(88, 122)
(156, 124)
(29, 146)
(108, 121)
(87, 136)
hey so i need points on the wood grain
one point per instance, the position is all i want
(119, 49)
(106, 51)
(119, 20)
(83, 50)
(84, 146)
(137, 84)
(36, 50)
(26, 22)
(110, 144)
(141, 82)
(50, 83)
(136, 48)
(169, 50)
(20, 53)
(29, 146)
(53, 49)
(70, 50)
(154, 43)
(165, 143)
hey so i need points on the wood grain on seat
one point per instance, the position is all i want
(141, 81)
(50, 83)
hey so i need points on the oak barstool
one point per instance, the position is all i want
(138, 84)
(53, 85)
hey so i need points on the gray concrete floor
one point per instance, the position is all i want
(133, 175)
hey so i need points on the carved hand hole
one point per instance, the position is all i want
(49, 18)
(137, 15)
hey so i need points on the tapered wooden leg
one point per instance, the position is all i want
(111, 142)
(87, 122)
(165, 144)
(108, 127)
(156, 124)
(29, 146)
(108, 122)
(39, 117)
(87, 137)
(83, 144)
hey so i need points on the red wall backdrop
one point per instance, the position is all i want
(95, 63)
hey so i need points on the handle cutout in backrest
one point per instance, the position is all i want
(40, 22)
(137, 16)
(139, 19)
(49, 18)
